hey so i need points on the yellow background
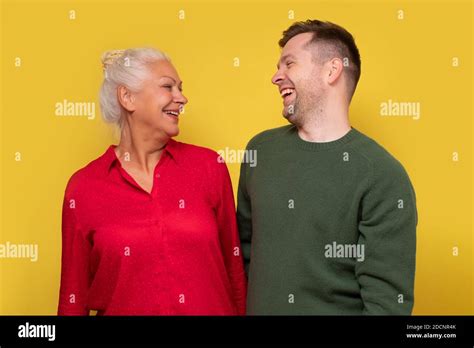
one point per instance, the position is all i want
(406, 59)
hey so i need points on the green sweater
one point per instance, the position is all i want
(326, 228)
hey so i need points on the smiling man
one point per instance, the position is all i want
(328, 217)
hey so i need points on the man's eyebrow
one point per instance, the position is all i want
(283, 58)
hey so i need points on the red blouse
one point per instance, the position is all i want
(174, 251)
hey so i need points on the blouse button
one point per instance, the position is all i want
(157, 176)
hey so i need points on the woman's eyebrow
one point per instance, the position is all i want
(169, 77)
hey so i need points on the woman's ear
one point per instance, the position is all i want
(126, 98)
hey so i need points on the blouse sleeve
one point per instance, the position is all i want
(75, 276)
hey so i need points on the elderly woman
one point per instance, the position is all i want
(149, 227)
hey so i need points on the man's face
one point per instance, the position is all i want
(299, 80)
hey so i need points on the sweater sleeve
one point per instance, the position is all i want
(244, 216)
(229, 238)
(74, 262)
(387, 227)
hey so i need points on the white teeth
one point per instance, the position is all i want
(286, 92)
(174, 113)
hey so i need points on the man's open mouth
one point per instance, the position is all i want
(287, 94)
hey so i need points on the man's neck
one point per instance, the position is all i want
(327, 126)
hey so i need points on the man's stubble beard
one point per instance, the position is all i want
(308, 104)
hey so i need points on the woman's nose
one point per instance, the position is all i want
(180, 98)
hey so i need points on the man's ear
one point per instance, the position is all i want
(335, 67)
(126, 98)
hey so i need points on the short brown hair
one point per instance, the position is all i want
(339, 41)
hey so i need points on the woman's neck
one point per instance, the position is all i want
(140, 150)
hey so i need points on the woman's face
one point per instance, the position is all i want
(158, 104)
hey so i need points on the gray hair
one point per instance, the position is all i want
(129, 68)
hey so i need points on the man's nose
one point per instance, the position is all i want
(277, 78)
